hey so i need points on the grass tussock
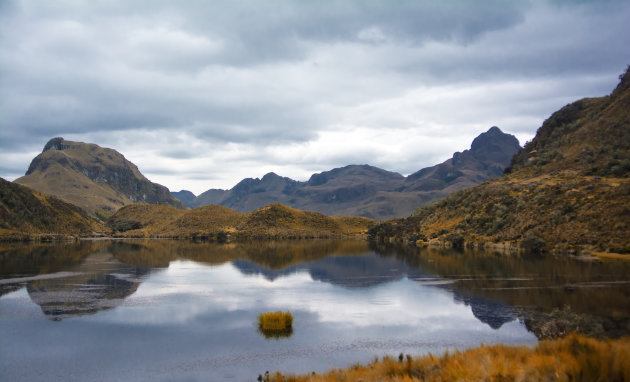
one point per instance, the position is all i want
(573, 358)
(275, 321)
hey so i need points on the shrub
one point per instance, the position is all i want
(124, 225)
(457, 241)
(532, 244)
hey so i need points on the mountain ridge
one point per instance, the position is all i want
(364, 190)
(99, 180)
(567, 191)
(26, 214)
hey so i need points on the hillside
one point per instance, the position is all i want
(27, 214)
(97, 179)
(568, 190)
(363, 190)
(220, 223)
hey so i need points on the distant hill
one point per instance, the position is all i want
(364, 190)
(568, 190)
(97, 179)
(220, 223)
(28, 214)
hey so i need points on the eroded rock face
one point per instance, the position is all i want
(92, 177)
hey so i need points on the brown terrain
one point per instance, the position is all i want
(567, 191)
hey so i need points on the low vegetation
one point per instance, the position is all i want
(275, 324)
(567, 191)
(218, 223)
(26, 214)
(573, 358)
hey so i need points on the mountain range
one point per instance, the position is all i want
(567, 191)
(363, 190)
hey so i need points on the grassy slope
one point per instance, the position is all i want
(573, 358)
(74, 187)
(567, 191)
(274, 221)
(25, 213)
(64, 174)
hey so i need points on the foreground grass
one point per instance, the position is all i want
(573, 358)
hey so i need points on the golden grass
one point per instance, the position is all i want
(611, 255)
(573, 358)
(219, 223)
(567, 191)
(275, 320)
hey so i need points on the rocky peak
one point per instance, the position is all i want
(55, 144)
(94, 177)
(494, 137)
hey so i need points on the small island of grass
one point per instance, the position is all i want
(276, 324)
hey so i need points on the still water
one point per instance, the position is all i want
(174, 310)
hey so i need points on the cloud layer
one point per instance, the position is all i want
(201, 94)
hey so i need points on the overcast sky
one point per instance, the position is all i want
(200, 94)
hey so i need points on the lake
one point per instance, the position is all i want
(146, 310)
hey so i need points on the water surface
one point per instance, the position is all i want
(175, 310)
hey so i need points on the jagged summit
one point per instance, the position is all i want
(55, 144)
(487, 158)
(99, 180)
(567, 191)
(495, 139)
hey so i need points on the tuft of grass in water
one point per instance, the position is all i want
(276, 324)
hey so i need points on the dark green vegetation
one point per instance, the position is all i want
(567, 191)
(25, 214)
(218, 223)
(97, 179)
(369, 191)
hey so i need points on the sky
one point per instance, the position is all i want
(201, 94)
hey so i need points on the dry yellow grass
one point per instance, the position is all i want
(573, 358)
(567, 191)
(64, 174)
(275, 321)
(274, 221)
(28, 214)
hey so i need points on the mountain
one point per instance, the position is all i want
(25, 214)
(363, 190)
(489, 155)
(184, 196)
(219, 223)
(567, 191)
(97, 179)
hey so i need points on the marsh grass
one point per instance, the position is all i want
(275, 324)
(573, 358)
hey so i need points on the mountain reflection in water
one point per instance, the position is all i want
(498, 288)
(161, 309)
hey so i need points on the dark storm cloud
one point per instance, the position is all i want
(272, 83)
